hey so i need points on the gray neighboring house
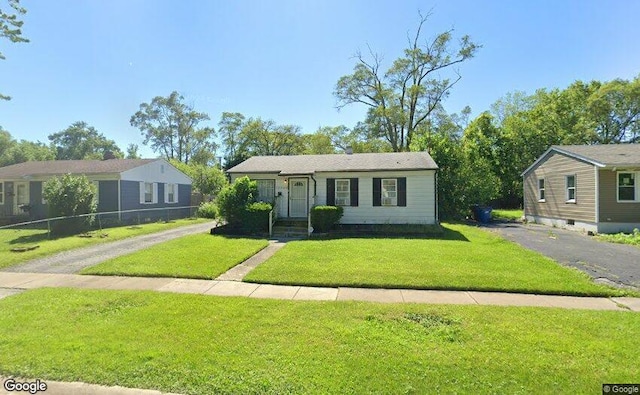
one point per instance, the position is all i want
(585, 187)
(123, 184)
(373, 188)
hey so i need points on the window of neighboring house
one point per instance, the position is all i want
(541, 189)
(626, 187)
(571, 188)
(389, 192)
(97, 185)
(1, 192)
(148, 192)
(343, 192)
(266, 190)
(170, 193)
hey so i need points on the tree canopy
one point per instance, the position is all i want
(82, 141)
(11, 28)
(172, 128)
(401, 99)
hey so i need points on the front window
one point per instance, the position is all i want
(343, 193)
(571, 189)
(172, 193)
(389, 192)
(541, 189)
(1, 192)
(148, 192)
(626, 187)
(266, 190)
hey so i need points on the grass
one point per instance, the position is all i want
(466, 258)
(622, 238)
(17, 238)
(507, 214)
(194, 256)
(199, 344)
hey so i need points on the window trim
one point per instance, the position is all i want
(143, 192)
(2, 188)
(175, 193)
(542, 190)
(567, 188)
(635, 187)
(97, 184)
(382, 191)
(348, 191)
(273, 186)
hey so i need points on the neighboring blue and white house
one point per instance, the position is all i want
(123, 184)
(373, 188)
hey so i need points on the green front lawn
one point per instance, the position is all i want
(622, 238)
(194, 256)
(16, 238)
(507, 214)
(465, 258)
(199, 344)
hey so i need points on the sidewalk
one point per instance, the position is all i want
(11, 282)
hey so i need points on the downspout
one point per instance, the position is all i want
(435, 176)
(597, 200)
(315, 191)
(524, 199)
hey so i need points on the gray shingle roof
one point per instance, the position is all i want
(309, 164)
(601, 155)
(604, 154)
(57, 167)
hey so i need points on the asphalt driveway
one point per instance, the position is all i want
(604, 261)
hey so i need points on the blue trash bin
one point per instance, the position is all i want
(484, 214)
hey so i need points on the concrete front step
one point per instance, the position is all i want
(289, 231)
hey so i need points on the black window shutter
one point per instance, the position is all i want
(353, 183)
(377, 192)
(331, 191)
(402, 192)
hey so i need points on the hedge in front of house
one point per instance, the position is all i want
(324, 217)
(255, 218)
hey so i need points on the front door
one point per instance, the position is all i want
(298, 199)
(21, 190)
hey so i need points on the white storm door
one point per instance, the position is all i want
(21, 196)
(298, 197)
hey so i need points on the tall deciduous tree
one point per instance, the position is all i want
(11, 27)
(402, 98)
(81, 141)
(172, 128)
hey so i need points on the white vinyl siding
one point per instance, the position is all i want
(343, 192)
(626, 187)
(171, 193)
(148, 192)
(570, 182)
(389, 192)
(420, 207)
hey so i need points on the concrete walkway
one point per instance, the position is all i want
(73, 261)
(22, 281)
(238, 272)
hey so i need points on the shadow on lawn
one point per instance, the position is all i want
(430, 233)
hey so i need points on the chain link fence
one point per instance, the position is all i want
(79, 224)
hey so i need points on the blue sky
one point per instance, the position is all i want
(97, 60)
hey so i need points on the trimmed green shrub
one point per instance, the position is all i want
(233, 200)
(208, 210)
(256, 218)
(68, 196)
(324, 217)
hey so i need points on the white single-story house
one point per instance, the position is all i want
(585, 187)
(373, 188)
(122, 184)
